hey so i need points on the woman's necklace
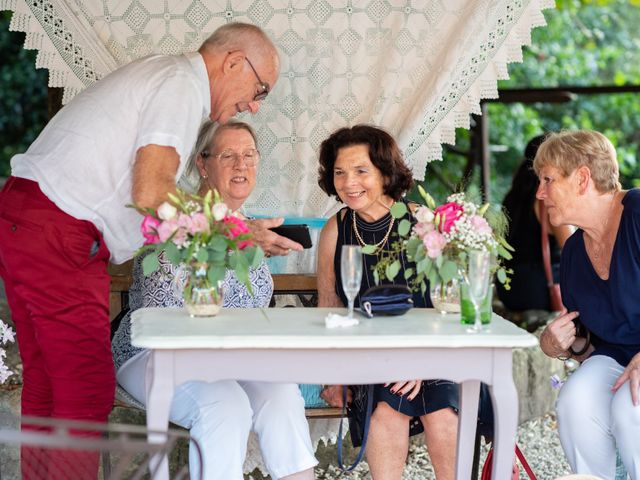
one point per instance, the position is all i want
(362, 243)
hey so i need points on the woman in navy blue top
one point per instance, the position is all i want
(598, 407)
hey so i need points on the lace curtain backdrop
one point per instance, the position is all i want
(416, 68)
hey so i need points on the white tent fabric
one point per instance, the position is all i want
(418, 68)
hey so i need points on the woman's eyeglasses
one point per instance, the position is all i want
(229, 158)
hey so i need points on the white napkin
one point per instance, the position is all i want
(334, 320)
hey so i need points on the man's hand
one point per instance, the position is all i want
(271, 243)
(332, 394)
(631, 373)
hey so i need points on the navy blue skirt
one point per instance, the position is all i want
(433, 396)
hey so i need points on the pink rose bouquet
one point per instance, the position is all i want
(201, 233)
(442, 235)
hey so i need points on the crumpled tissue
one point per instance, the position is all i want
(333, 320)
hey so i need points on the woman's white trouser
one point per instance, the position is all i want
(220, 415)
(593, 420)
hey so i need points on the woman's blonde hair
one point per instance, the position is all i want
(569, 150)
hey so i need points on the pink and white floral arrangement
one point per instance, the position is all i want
(201, 233)
(441, 237)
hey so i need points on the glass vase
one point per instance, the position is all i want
(445, 297)
(201, 298)
(467, 310)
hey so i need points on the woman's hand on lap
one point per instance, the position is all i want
(412, 387)
(631, 373)
(332, 394)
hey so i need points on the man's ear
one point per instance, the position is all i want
(583, 178)
(233, 62)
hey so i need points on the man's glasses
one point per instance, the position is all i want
(263, 87)
(229, 158)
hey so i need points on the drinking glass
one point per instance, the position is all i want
(478, 275)
(351, 273)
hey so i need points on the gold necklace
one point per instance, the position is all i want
(362, 242)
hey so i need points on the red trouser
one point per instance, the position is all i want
(54, 269)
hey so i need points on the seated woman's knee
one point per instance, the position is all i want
(277, 398)
(230, 401)
(624, 416)
(574, 400)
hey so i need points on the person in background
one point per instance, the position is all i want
(63, 211)
(220, 415)
(598, 408)
(363, 168)
(529, 289)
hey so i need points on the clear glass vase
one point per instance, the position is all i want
(445, 297)
(201, 298)
(467, 310)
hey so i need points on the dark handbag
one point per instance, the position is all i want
(487, 468)
(386, 300)
(365, 432)
(555, 296)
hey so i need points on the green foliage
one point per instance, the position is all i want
(23, 102)
(586, 43)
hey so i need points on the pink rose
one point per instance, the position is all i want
(480, 225)
(449, 215)
(421, 229)
(199, 224)
(237, 227)
(434, 242)
(166, 229)
(149, 229)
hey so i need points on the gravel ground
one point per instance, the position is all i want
(538, 440)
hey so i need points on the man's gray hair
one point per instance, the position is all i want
(237, 36)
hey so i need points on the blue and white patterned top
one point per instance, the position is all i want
(160, 290)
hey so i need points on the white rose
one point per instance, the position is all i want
(424, 215)
(219, 210)
(166, 211)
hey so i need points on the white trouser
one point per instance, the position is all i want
(220, 415)
(593, 420)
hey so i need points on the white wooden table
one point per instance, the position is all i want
(293, 345)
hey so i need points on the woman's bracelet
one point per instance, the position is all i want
(564, 358)
(584, 349)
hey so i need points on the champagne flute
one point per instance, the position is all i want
(351, 273)
(478, 275)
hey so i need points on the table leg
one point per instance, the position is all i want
(159, 383)
(467, 423)
(505, 410)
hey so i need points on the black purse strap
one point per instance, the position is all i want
(367, 419)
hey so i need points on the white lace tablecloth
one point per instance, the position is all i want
(417, 68)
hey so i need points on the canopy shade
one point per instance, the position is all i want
(417, 68)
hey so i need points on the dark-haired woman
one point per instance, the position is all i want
(363, 168)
